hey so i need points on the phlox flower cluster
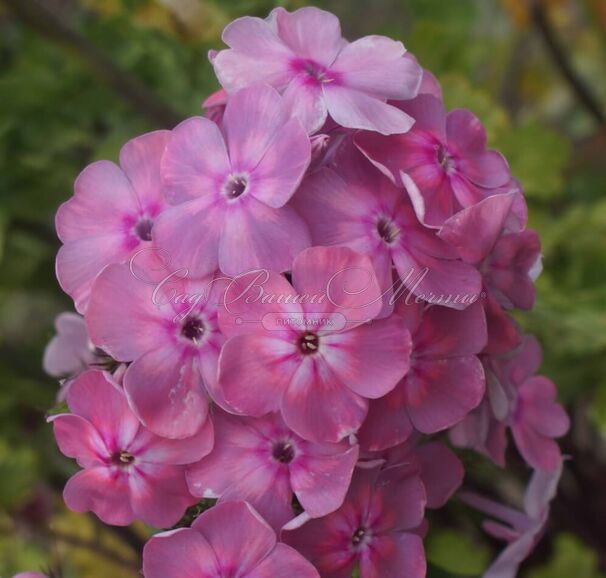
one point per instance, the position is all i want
(293, 311)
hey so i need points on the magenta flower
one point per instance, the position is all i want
(304, 56)
(29, 575)
(522, 530)
(444, 154)
(304, 349)
(228, 541)
(366, 212)
(262, 461)
(128, 473)
(509, 261)
(230, 186)
(374, 529)
(535, 417)
(445, 380)
(169, 332)
(111, 215)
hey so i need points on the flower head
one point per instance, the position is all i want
(128, 473)
(303, 54)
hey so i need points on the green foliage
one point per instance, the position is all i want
(455, 552)
(571, 558)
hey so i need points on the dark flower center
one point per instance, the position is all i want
(358, 536)
(122, 458)
(193, 329)
(309, 343)
(284, 452)
(444, 158)
(235, 186)
(143, 229)
(387, 230)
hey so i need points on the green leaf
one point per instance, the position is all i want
(456, 554)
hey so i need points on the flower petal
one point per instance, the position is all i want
(375, 65)
(353, 109)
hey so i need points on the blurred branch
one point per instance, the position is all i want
(560, 58)
(45, 22)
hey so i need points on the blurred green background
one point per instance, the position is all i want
(79, 78)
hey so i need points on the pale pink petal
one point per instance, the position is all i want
(370, 359)
(257, 236)
(195, 161)
(336, 218)
(195, 248)
(254, 371)
(353, 109)
(252, 118)
(79, 262)
(78, 438)
(159, 494)
(181, 553)
(252, 302)
(122, 318)
(375, 65)
(240, 538)
(310, 33)
(102, 191)
(346, 278)
(140, 160)
(258, 55)
(394, 556)
(305, 101)
(95, 398)
(277, 176)
(153, 449)
(70, 351)
(321, 481)
(454, 387)
(100, 491)
(284, 562)
(319, 407)
(167, 393)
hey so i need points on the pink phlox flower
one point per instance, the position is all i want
(304, 56)
(230, 540)
(128, 473)
(262, 461)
